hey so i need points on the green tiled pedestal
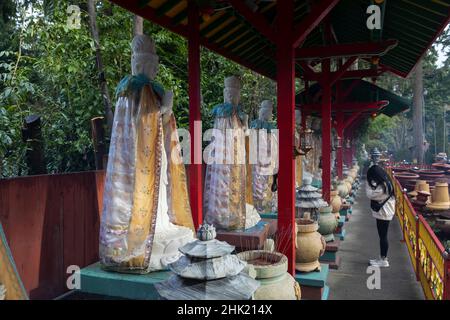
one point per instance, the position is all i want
(94, 280)
(313, 284)
(330, 256)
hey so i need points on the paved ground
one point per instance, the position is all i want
(360, 245)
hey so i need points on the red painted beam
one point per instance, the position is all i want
(195, 127)
(346, 50)
(342, 70)
(286, 124)
(347, 106)
(352, 118)
(326, 132)
(257, 20)
(314, 18)
(352, 74)
(308, 69)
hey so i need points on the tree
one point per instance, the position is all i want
(101, 72)
(418, 113)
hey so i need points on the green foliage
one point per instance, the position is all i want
(46, 68)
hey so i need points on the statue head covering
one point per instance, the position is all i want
(233, 82)
(144, 59)
(265, 110)
(232, 90)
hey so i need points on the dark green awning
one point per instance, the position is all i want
(362, 92)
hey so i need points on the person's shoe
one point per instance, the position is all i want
(374, 260)
(381, 263)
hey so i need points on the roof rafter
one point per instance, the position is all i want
(166, 22)
(346, 50)
(314, 18)
(257, 20)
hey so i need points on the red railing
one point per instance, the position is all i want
(430, 261)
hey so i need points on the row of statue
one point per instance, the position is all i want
(146, 212)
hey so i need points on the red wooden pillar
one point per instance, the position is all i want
(340, 149)
(286, 125)
(326, 131)
(195, 128)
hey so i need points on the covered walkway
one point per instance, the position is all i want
(398, 282)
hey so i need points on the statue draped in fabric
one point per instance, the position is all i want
(299, 159)
(225, 180)
(146, 212)
(266, 162)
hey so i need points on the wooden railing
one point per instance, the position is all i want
(430, 261)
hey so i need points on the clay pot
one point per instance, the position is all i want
(327, 224)
(440, 199)
(400, 170)
(353, 173)
(270, 269)
(349, 186)
(342, 190)
(310, 246)
(421, 201)
(430, 175)
(407, 179)
(421, 185)
(336, 201)
(441, 166)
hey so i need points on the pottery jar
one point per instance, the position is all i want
(440, 197)
(310, 246)
(327, 224)
(270, 269)
(336, 201)
(342, 190)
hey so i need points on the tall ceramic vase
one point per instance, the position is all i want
(270, 269)
(310, 246)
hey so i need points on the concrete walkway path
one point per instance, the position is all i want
(398, 282)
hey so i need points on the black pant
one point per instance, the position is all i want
(382, 227)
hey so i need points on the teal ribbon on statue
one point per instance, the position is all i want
(226, 110)
(262, 124)
(136, 83)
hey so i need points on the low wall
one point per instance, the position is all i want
(51, 222)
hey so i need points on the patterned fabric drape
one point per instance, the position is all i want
(225, 180)
(132, 187)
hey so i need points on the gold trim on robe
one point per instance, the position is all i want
(132, 183)
(9, 277)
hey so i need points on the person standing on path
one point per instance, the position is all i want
(380, 191)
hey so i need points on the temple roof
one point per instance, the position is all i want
(361, 93)
(414, 23)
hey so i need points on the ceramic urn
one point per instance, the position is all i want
(310, 246)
